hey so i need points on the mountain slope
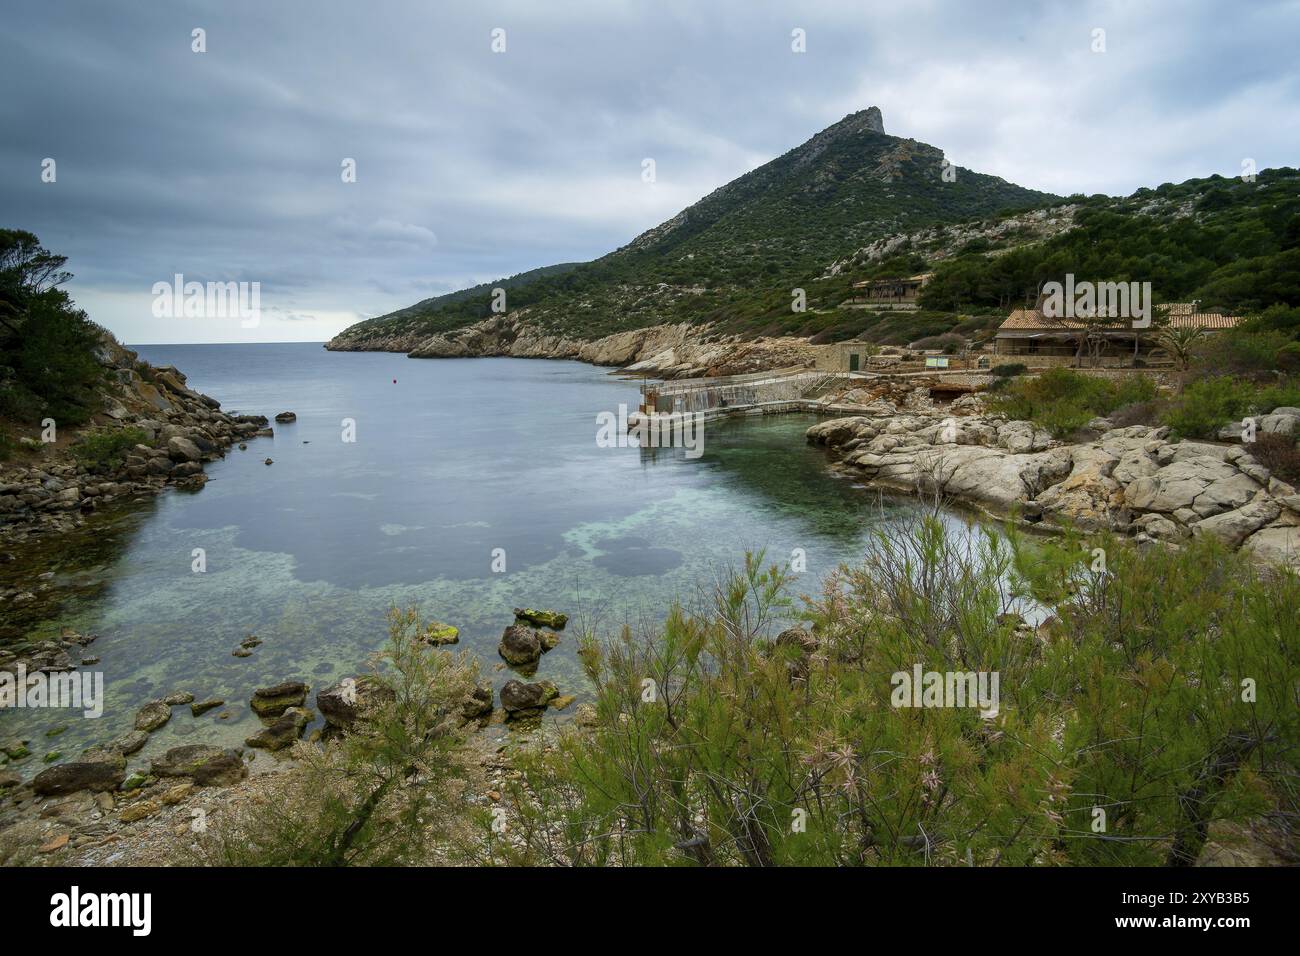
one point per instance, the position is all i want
(733, 258)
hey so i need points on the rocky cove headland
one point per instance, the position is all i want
(682, 350)
(1130, 480)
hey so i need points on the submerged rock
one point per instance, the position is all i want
(129, 742)
(520, 700)
(275, 700)
(153, 715)
(520, 645)
(201, 707)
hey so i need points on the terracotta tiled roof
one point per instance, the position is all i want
(1204, 320)
(1033, 320)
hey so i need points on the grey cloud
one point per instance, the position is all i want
(473, 165)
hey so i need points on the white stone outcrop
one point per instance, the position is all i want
(1130, 480)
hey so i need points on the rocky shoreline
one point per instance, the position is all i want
(47, 490)
(181, 430)
(1130, 480)
(95, 809)
(666, 351)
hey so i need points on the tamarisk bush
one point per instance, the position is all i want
(1146, 696)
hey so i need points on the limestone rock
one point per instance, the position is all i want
(204, 764)
(182, 449)
(1235, 526)
(95, 771)
(520, 645)
(520, 700)
(283, 731)
(152, 716)
(275, 700)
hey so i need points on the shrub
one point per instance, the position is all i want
(1279, 454)
(1235, 352)
(1288, 357)
(1139, 413)
(392, 791)
(1009, 370)
(947, 342)
(755, 750)
(1062, 401)
(104, 451)
(1206, 405)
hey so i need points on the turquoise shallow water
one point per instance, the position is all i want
(452, 459)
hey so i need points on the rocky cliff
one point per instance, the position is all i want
(168, 431)
(668, 351)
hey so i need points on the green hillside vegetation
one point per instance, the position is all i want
(443, 313)
(48, 367)
(734, 257)
(1232, 245)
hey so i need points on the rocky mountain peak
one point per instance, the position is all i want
(869, 120)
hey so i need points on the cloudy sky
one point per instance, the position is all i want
(471, 164)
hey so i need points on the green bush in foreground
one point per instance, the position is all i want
(392, 792)
(1157, 699)
(1153, 708)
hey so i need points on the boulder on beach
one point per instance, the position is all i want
(96, 770)
(204, 764)
(283, 731)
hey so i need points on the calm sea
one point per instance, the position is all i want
(454, 462)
